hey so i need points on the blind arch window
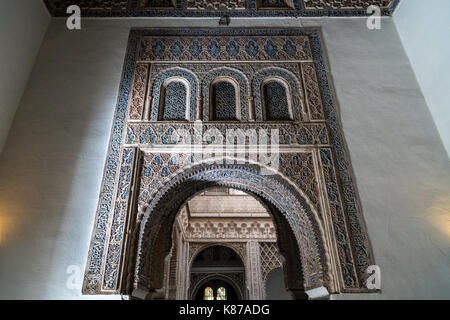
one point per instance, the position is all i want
(224, 100)
(276, 99)
(174, 100)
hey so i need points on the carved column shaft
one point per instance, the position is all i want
(254, 281)
(251, 109)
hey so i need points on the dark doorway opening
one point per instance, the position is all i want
(212, 274)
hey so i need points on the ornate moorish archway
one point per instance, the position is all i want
(146, 178)
(303, 249)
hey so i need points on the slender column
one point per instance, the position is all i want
(198, 111)
(187, 270)
(254, 271)
(182, 268)
(251, 109)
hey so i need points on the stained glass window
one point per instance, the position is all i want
(224, 101)
(221, 294)
(174, 106)
(209, 294)
(276, 101)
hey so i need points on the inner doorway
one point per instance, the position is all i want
(224, 246)
(217, 273)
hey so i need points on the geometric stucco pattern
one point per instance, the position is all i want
(270, 258)
(313, 188)
(242, 8)
(210, 229)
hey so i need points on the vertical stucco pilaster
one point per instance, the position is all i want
(254, 282)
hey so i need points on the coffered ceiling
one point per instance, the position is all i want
(205, 8)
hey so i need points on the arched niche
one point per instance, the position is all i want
(290, 82)
(166, 76)
(235, 76)
(174, 100)
(224, 99)
(276, 99)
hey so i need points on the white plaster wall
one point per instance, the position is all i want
(401, 167)
(22, 27)
(275, 288)
(52, 165)
(424, 28)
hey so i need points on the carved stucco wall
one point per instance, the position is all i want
(310, 185)
(403, 194)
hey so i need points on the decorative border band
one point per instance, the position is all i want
(132, 8)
